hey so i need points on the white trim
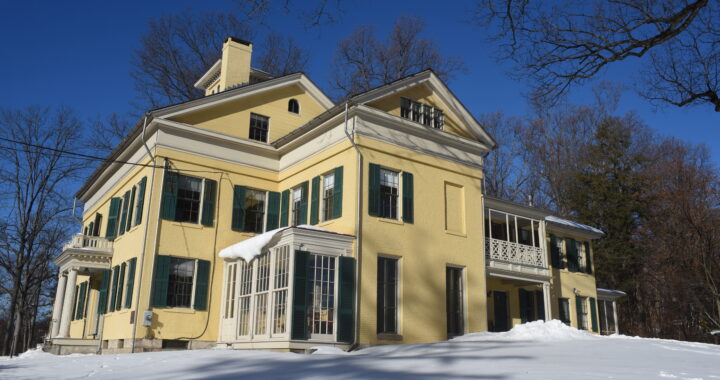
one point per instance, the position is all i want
(206, 80)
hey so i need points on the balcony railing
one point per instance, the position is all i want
(514, 253)
(93, 243)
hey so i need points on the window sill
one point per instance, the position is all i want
(179, 310)
(386, 336)
(326, 222)
(391, 221)
(188, 225)
(460, 234)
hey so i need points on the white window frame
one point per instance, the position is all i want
(321, 209)
(265, 208)
(292, 207)
(400, 184)
(422, 111)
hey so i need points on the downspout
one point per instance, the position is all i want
(483, 247)
(358, 227)
(144, 243)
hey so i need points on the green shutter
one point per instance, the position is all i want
(113, 289)
(111, 229)
(273, 210)
(130, 282)
(73, 313)
(588, 260)
(522, 297)
(304, 203)
(80, 308)
(407, 198)
(315, 201)
(208, 211)
(169, 197)
(119, 290)
(540, 302)
(555, 257)
(96, 227)
(374, 190)
(201, 284)
(124, 214)
(301, 297)
(338, 193)
(578, 309)
(160, 282)
(593, 315)
(284, 208)
(564, 310)
(140, 201)
(102, 297)
(238, 209)
(131, 209)
(346, 300)
(572, 255)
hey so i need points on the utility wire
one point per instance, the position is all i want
(91, 157)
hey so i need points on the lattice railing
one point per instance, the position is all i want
(515, 253)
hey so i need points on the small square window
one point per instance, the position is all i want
(259, 127)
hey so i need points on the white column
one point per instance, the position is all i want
(617, 325)
(548, 302)
(67, 308)
(57, 306)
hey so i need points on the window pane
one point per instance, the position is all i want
(180, 282)
(188, 199)
(328, 190)
(259, 127)
(322, 294)
(297, 197)
(254, 210)
(525, 232)
(389, 190)
(387, 295)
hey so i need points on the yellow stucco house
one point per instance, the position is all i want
(263, 215)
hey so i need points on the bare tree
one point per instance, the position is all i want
(35, 177)
(559, 44)
(362, 62)
(106, 134)
(178, 49)
(282, 55)
(310, 13)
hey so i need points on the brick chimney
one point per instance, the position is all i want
(232, 70)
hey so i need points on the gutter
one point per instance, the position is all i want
(358, 228)
(144, 243)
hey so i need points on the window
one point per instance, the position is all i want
(298, 197)
(189, 194)
(582, 313)
(119, 289)
(422, 113)
(231, 276)
(321, 316)
(387, 289)
(180, 282)
(254, 210)
(389, 190)
(259, 127)
(564, 310)
(262, 287)
(327, 196)
(280, 290)
(293, 106)
(581, 256)
(244, 299)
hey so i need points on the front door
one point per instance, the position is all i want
(501, 311)
(454, 299)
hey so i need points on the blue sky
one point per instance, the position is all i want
(77, 53)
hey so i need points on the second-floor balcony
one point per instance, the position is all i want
(515, 245)
(89, 243)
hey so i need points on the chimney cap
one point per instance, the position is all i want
(238, 40)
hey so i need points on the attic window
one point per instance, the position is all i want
(293, 106)
(422, 113)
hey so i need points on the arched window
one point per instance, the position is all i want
(293, 106)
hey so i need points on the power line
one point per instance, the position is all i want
(91, 157)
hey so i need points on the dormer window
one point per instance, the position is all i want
(293, 106)
(422, 113)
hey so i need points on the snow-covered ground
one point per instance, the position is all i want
(535, 350)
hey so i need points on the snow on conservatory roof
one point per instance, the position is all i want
(570, 223)
(251, 248)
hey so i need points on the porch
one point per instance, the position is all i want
(515, 244)
(296, 292)
(514, 301)
(82, 256)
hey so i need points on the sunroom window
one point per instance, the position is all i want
(512, 228)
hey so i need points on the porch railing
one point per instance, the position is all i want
(502, 250)
(94, 243)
